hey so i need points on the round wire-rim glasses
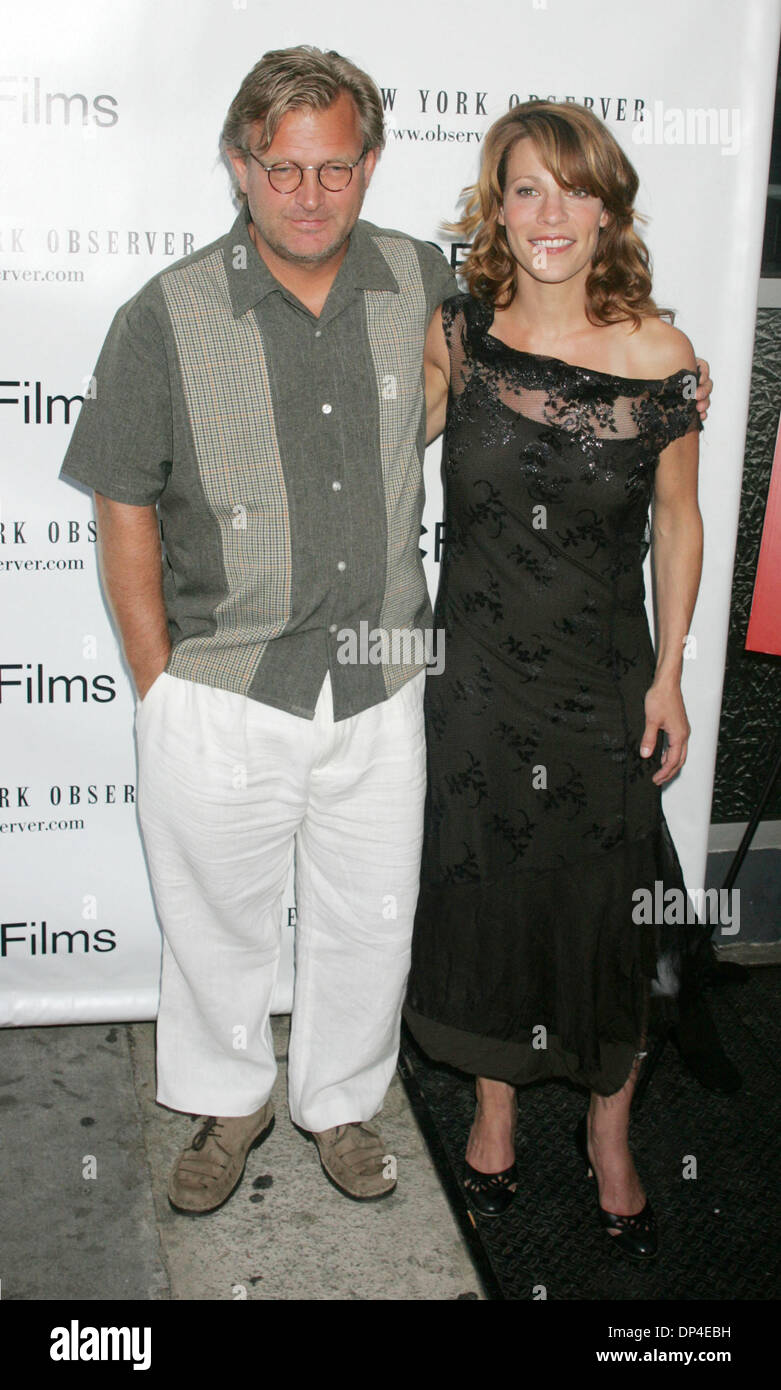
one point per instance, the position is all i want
(285, 177)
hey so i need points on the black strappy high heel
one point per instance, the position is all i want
(637, 1235)
(490, 1193)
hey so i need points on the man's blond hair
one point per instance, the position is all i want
(289, 79)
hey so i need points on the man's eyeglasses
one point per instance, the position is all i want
(286, 177)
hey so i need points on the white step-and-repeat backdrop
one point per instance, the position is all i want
(109, 121)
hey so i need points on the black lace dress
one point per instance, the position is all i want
(542, 819)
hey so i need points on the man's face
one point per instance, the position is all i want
(311, 225)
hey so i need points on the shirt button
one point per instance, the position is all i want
(318, 332)
(332, 628)
(337, 486)
(342, 565)
(326, 409)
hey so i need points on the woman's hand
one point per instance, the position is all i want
(665, 710)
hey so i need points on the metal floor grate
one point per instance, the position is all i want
(718, 1232)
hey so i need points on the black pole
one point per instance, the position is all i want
(750, 830)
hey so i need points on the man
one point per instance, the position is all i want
(264, 396)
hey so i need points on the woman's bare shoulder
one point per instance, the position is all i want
(657, 349)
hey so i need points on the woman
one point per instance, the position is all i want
(569, 408)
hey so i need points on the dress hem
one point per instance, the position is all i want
(519, 1064)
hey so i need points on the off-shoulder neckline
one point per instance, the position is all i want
(484, 315)
(588, 371)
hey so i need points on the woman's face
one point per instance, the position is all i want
(552, 231)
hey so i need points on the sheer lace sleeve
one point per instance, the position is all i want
(455, 327)
(670, 411)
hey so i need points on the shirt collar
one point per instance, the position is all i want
(250, 280)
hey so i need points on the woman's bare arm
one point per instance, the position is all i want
(130, 561)
(658, 351)
(677, 561)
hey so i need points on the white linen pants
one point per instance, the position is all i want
(227, 786)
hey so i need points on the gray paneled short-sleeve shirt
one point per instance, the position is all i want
(285, 455)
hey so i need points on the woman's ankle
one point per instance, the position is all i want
(495, 1097)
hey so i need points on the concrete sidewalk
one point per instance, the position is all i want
(85, 1153)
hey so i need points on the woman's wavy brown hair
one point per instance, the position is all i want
(579, 151)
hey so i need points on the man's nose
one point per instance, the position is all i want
(310, 190)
